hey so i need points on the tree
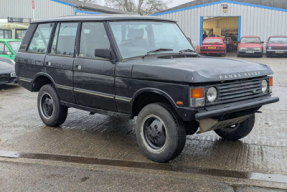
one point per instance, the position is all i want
(142, 7)
(90, 1)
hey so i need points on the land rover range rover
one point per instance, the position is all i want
(128, 66)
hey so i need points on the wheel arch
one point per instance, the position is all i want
(40, 80)
(155, 95)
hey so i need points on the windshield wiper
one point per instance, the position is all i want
(186, 50)
(157, 50)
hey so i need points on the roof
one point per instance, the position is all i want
(10, 40)
(278, 36)
(279, 5)
(91, 7)
(102, 17)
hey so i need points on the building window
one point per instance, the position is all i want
(41, 38)
(64, 39)
(5, 34)
(93, 36)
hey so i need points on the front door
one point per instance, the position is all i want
(94, 81)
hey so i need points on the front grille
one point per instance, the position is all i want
(279, 48)
(238, 91)
(250, 49)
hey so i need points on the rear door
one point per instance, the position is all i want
(59, 62)
(30, 59)
(94, 81)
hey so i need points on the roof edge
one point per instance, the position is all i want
(219, 2)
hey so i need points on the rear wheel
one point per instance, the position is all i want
(160, 132)
(50, 110)
(223, 55)
(238, 131)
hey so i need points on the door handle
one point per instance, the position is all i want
(79, 67)
(49, 63)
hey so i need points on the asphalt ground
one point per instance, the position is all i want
(100, 153)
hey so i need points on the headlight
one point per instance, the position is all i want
(269, 47)
(257, 49)
(264, 86)
(211, 94)
(243, 48)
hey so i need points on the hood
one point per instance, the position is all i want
(6, 68)
(196, 69)
(250, 45)
(277, 44)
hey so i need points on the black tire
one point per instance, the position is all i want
(267, 55)
(238, 55)
(239, 131)
(223, 55)
(47, 99)
(172, 131)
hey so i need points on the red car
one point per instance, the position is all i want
(250, 46)
(276, 45)
(213, 46)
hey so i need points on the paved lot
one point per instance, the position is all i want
(256, 163)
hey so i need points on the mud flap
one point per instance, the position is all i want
(212, 124)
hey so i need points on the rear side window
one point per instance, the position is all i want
(212, 41)
(93, 36)
(64, 39)
(3, 49)
(40, 40)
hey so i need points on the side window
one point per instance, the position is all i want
(93, 36)
(4, 49)
(40, 40)
(64, 39)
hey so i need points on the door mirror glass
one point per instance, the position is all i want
(103, 53)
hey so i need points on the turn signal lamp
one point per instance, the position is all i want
(197, 97)
(270, 84)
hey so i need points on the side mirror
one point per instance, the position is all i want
(104, 53)
(8, 53)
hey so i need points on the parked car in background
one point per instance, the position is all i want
(213, 46)
(7, 71)
(276, 46)
(9, 48)
(250, 46)
(13, 30)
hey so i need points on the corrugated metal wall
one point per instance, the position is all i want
(222, 22)
(23, 9)
(254, 20)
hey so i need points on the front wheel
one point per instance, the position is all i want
(50, 110)
(238, 131)
(160, 132)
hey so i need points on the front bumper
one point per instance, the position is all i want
(236, 108)
(254, 53)
(6, 78)
(276, 52)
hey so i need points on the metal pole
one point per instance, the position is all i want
(33, 14)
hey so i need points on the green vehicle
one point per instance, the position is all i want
(9, 47)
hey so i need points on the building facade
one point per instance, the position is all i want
(49, 8)
(237, 17)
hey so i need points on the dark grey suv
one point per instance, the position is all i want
(128, 66)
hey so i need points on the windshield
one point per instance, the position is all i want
(278, 40)
(15, 45)
(212, 41)
(138, 38)
(250, 40)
